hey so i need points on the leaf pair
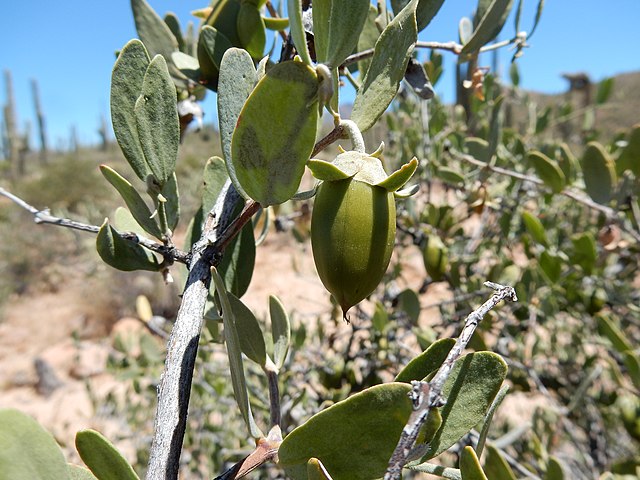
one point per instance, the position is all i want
(144, 113)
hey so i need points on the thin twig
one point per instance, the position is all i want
(336, 134)
(428, 395)
(608, 212)
(44, 216)
(453, 47)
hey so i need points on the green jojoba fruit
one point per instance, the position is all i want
(436, 257)
(353, 224)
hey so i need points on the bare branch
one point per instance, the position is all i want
(44, 216)
(428, 395)
(175, 386)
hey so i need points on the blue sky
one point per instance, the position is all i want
(69, 48)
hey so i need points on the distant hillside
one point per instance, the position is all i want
(621, 111)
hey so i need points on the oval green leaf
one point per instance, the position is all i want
(385, 72)
(599, 173)
(275, 133)
(555, 471)
(470, 468)
(172, 203)
(102, 458)
(427, 362)
(28, 451)
(548, 170)
(238, 261)
(122, 254)
(157, 121)
(585, 252)
(126, 85)
(133, 200)
(608, 328)
(534, 228)
(551, 266)
(238, 76)
(470, 389)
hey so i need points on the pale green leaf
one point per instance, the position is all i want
(251, 29)
(77, 472)
(152, 30)
(28, 451)
(385, 72)
(353, 438)
(470, 389)
(599, 173)
(534, 228)
(548, 170)
(237, 78)
(126, 85)
(427, 9)
(157, 121)
(496, 467)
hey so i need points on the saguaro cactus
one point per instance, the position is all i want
(42, 134)
(9, 112)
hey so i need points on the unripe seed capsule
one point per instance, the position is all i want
(352, 235)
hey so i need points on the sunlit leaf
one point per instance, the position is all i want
(275, 133)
